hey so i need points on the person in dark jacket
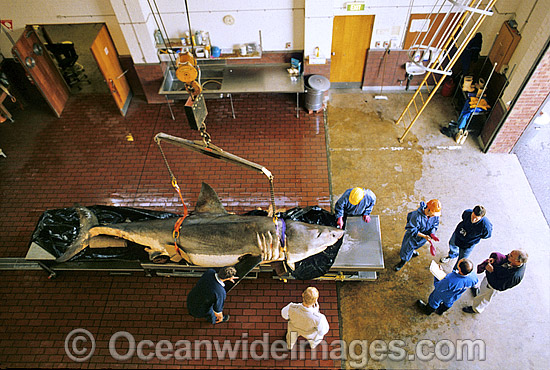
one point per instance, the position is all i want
(449, 289)
(420, 229)
(354, 202)
(473, 227)
(207, 298)
(501, 273)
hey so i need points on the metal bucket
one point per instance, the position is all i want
(316, 86)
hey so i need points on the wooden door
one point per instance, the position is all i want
(351, 36)
(504, 46)
(39, 66)
(106, 56)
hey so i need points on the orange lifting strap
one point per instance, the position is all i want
(178, 223)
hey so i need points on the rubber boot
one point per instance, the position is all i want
(400, 265)
(425, 308)
(441, 309)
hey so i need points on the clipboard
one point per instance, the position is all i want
(437, 271)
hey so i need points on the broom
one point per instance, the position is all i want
(383, 97)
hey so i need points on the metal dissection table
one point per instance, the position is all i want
(359, 259)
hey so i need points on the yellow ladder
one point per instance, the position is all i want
(463, 19)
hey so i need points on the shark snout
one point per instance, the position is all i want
(336, 234)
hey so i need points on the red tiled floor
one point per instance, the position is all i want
(83, 158)
(38, 315)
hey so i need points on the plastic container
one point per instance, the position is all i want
(448, 87)
(216, 52)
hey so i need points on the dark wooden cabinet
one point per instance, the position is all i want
(504, 46)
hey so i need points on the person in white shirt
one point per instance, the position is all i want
(304, 319)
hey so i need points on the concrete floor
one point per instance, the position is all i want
(533, 151)
(365, 152)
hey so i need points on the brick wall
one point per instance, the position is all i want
(317, 69)
(150, 77)
(527, 105)
(127, 64)
(83, 158)
(270, 57)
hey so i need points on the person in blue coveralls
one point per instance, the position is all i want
(207, 298)
(354, 202)
(473, 227)
(420, 229)
(449, 289)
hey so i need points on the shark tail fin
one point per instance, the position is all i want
(87, 221)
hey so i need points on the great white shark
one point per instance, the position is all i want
(210, 236)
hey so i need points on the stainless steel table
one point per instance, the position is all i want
(237, 78)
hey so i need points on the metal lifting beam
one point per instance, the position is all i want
(447, 42)
(212, 151)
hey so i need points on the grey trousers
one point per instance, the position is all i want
(486, 293)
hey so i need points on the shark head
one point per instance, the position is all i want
(304, 240)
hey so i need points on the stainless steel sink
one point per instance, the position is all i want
(211, 79)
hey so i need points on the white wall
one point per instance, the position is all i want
(281, 23)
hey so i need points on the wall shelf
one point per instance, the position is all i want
(175, 46)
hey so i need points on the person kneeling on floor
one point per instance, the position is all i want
(449, 289)
(207, 298)
(304, 319)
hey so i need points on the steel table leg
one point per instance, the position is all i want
(232, 109)
(170, 107)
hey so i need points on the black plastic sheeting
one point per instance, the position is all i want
(57, 229)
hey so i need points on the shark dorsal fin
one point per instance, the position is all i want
(208, 201)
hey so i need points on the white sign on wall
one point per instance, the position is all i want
(420, 25)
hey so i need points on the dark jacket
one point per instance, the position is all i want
(504, 276)
(468, 234)
(206, 295)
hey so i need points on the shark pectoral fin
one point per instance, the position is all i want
(176, 255)
(280, 268)
(157, 254)
(243, 267)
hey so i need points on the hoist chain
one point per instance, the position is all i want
(172, 177)
(272, 191)
(205, 135)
